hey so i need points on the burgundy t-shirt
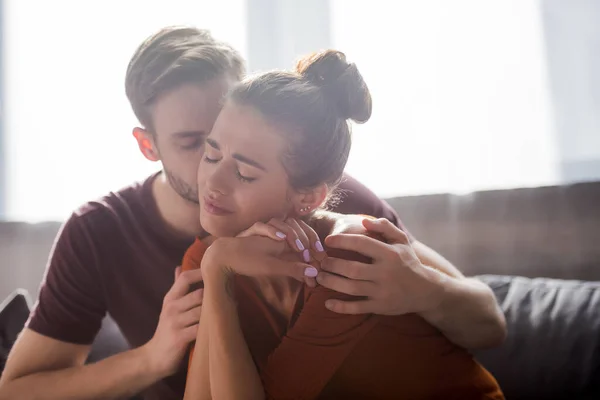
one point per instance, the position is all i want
(116, 256)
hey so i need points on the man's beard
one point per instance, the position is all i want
(184, 190)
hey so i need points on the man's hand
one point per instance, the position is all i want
(177, 325)
(411, 278)
(395, 283)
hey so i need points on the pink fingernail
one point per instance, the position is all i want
(280, 235)
(306, 255)
(311, 272)
(319, 246)
(299, 244)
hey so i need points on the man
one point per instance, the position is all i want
(118, 254)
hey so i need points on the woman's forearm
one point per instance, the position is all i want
(198, 378)
(233, 374)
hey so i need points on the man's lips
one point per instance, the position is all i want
(215, 208)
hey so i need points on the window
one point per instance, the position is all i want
(68, 123)
(460, 92)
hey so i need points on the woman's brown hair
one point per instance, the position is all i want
(312, 105)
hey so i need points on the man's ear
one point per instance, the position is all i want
(146, 143)
(307, 200)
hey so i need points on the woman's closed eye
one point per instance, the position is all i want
(238, 174)
(210, 160)
(245, 179)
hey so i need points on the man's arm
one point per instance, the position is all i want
(408, 277)
(468, 313)
(40, 367)
(43, 368)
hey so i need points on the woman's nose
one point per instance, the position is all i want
(217, 183)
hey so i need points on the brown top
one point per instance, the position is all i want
(319, 354)
(116, 255)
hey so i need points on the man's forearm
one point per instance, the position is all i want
(119, 376)
(468, 314)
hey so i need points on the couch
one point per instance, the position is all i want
(538, 248)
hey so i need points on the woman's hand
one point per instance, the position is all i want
(255, 256)
(299, 236)
(296, 233)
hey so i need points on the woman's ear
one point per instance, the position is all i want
(307, 200)
(146, 143)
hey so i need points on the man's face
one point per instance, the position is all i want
(182, 119)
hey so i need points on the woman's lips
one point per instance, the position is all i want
(215, 208)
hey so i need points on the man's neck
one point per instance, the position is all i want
(181, 216)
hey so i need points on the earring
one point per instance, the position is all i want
(305, 209)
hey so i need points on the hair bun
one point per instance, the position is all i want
(340, 81)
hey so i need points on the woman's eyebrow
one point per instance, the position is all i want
(246, 160)
(241, 158)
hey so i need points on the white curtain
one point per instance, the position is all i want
(68, 123)
(460, 91)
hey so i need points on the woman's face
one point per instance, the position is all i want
(241, 179)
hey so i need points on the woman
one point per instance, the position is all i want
(276, 152)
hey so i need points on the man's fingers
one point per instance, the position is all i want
(349, 269)
(347, 286)
(182, 284)
(389, 231)
(359, 243)
(177, 272)
(190, 300)
(351, 307)
(189, 334)
(188, 318)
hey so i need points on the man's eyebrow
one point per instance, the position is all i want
(187, 134)
(241, 158)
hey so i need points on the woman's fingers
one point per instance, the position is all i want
(315, 241)
(266, 230)
(292, 237)
(304, 243)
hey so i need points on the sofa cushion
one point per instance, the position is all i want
(24, 249)
(553, 346)
(549, 232)
(14, 311)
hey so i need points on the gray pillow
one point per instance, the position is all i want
(14, 311)
(553, 346)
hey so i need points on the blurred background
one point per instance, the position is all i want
(468, 95)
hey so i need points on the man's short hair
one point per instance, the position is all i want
(172, 57)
